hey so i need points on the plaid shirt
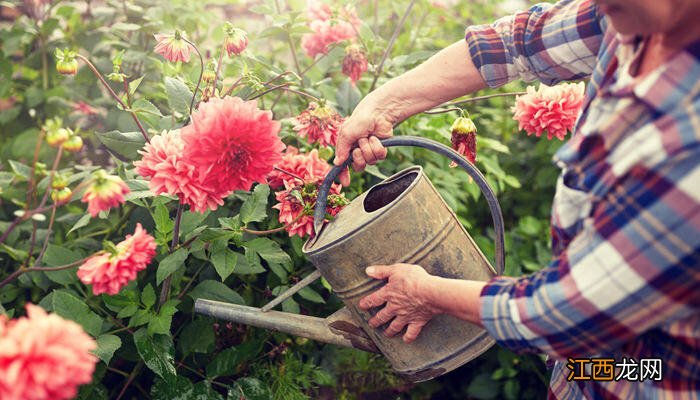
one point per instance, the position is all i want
(624, 281)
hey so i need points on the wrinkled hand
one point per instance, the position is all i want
(364, 128)
(407, 296)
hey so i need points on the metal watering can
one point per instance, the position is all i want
(402, 219)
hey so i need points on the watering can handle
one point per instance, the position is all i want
(322, 200)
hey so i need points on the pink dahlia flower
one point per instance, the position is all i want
(167, 172)
(232, 144)
(43, 357)
(296, 206)
(354, 63)
(104, 192)
(549, 108)
(320, 124)
(307, 166)
(328, 27)
(172, 47)
(316, 9)
(109, 272)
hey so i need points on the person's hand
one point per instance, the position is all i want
(364, 128)
(407, 296)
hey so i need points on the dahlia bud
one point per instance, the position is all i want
(40, 169)
(236, 40)
(209, 76)
(59, 182)
(66, 64)
(354, 63)
(464, 138)
(61, 196)
(57, 137)
(73, 144)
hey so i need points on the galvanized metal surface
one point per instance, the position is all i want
(404, 219)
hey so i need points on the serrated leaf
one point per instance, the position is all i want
(197, 337)
(133, 85)
(147, 112)
(56, 256)
(161, 217)
(83, 221)
(214, 290)
(20, 169)
(70, 307)
(161, 322)
(106, 346)
(170, 264)
(148, 296)
(124, 144)
(232, 223)
(157, 352)
(269, 250)
(179, 388)
(127, 311)
(223, 364)
(179, 95)
(249, 389)
(254, 209)
(224, 262)
(249, 264)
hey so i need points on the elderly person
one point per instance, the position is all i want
(624, 281)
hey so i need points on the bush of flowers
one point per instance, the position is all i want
(152, 155)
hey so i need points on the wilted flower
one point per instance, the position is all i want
(549, 108)
(43, 357)
(66, 64)
(109, 271)
(307, 166)
(163, 164)
(464, 139)
(236, 40)
(172, 47)
(61, 196)
(231, 143)
(354, 63)
(105, 191)
(320, 123)
(297, 203)
(73, 144)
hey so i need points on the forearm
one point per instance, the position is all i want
(446, 75)
(456, 297)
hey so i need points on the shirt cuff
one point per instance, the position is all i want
(489, 54)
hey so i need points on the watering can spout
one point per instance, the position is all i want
(339, 328)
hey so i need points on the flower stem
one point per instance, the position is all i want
(165, 290)
(115, 96)
(218, 67)
(289, 173)
(391, 44)
(21, 271)
(201, 73)
(230, 90)
(31, 190)
(269, 231)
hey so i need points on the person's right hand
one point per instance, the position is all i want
(360, 134)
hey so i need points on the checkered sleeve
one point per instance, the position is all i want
(548, 42)
(633, 267)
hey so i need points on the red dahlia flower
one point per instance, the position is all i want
(549, 108)
(319, 123)
(43, 357)
(297, 203)
(354, 63)
(108, 272)
(231, 144)
(104, 192)
(307, 166)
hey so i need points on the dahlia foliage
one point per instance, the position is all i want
(43, 357)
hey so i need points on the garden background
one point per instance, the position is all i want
(150, 343)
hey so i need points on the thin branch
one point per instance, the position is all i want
(230, 90)
(284, 171)
(479, 98)
(218, 66)
(165, 290)
(201, 73)
(442, 111)
(115, 96)
(21, 271)
(391, 44)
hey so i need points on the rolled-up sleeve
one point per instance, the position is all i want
(633, 267)
(548, 42)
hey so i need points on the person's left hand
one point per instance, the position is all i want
(407, 296)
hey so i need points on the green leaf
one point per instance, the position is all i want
(157, 352)
(197, 337)
(20, 169)
(106, 346)
(483, 387)
(232, 223)
(254, 209)
(161, 216)
(133, 85)
(128, 311)
(269, 250)
(148, 296)
(249, 264)
(223, 364)
(224, 262)
(179, 95)
(147, 112)
(311, 295)
(83, 221)
(190, 221)
(214, 290)
(179, 388)
(161, 323)
(170, 264)
(347, 97)
(124, 144)
(56, 256)
(249, 389)
(70, 307)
